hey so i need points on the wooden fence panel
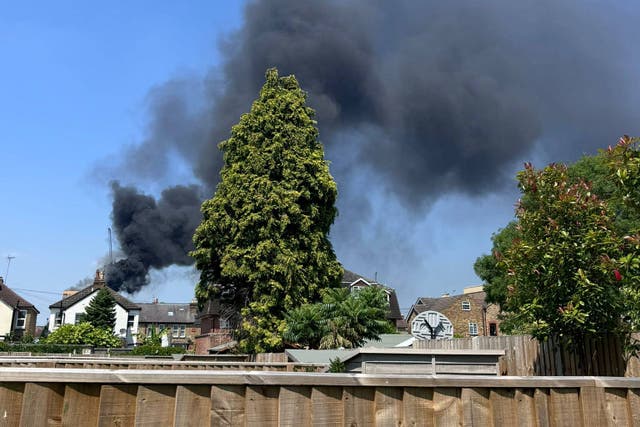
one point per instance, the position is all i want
(11, 403)
(34, 397)
(192, 406)
(42, 404)
(117, 405)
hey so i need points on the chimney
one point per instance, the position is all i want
(99, 281)
(155, 300)
(1, 282)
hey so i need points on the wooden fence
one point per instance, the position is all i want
(527, 356)
(151, 364)
(81, 397)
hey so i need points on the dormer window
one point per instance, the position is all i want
(466, 306)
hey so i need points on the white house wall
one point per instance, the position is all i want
(6, 317)
(80, 307)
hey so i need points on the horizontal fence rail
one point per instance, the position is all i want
(123, 363)
(97, 397)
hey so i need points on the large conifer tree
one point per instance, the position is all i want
(263, 243)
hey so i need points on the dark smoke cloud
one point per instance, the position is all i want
(430, 98)
(152, 234)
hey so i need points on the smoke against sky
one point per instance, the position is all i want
(415, 101)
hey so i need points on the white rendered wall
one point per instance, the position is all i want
(122, 316)
(6, 317)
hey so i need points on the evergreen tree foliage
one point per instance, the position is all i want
(263, 243)
(101, 311)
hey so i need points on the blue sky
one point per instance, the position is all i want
(74, 94)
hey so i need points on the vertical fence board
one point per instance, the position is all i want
(564, 407)
(388, 402)
(193, 405)
(261, 405)
(541, 400)
(81, 404)
(155, 405)
(503, 405)
(633, 400)
(117, 405)
(10, 403)
(476, 408)
(446, 407)
(227, 405)
(359, 406)
(42, 405)
(326, 409)
(525, 407)
(592, 402)
(616, 409)
(295, 406)
(418, 406)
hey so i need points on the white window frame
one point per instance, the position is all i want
(466, 305)
(58, 319)
(178, 331)
(473, 329)
(131, 321)
(21, 318)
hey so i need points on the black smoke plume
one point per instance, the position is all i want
(429, 98)
(152, 234)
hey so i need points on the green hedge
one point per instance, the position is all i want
(41, 348)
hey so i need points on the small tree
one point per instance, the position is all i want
(83, 333)
(101, 311)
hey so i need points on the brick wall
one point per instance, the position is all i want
(212, 339)
(461, 319)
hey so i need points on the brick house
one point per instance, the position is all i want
(179, 320)
(468, 312)
(217, 325)
(17, 315)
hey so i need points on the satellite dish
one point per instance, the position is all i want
(431, 325)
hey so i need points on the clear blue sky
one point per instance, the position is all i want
(74, 85)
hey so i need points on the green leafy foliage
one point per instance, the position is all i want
(563, 267)
(263, 243)
(83, 333)
(101, 311)
(343, 319)
(597, 171)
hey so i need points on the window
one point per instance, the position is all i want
(58, 321)
(130, 321)
(22, 319)
(178, 331)
(225, 323)
(356, 288)
(466, 306)
(493, 329)
(473, 328)
(80, 317)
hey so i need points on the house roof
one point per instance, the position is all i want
(12, 299)
(166, 313)
(98, 283)
(444, 302)
(349, 277)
